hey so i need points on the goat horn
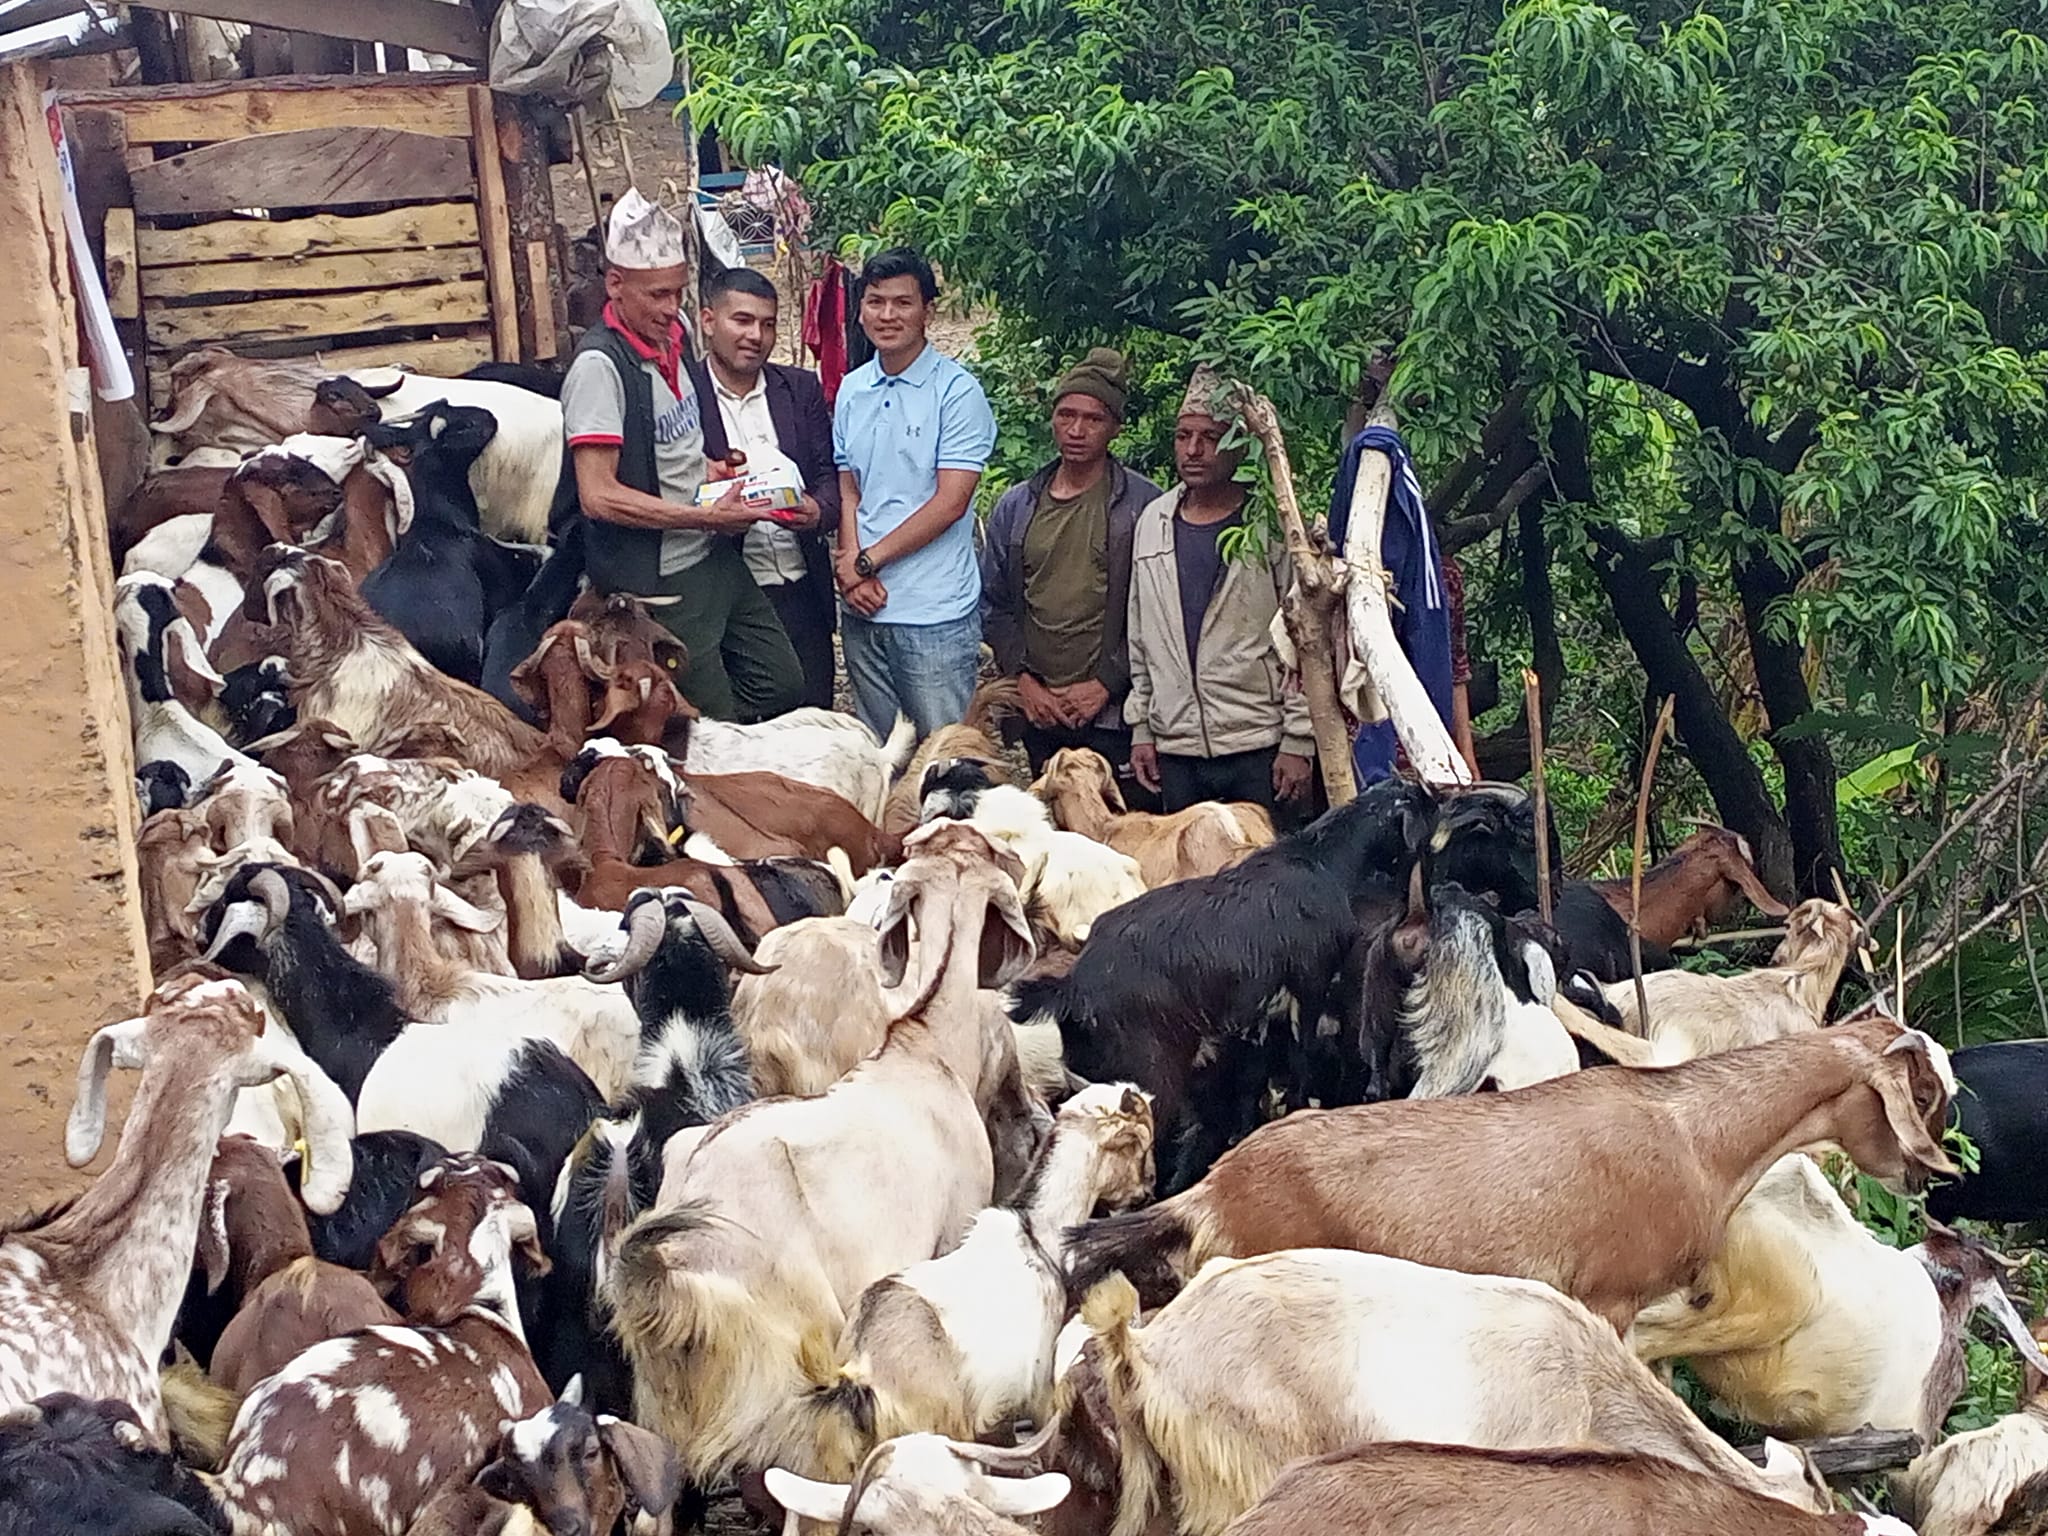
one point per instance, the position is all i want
(1010, 1459)
(268, 887)
(724, 942)
(644, 931)
(241, 918)
(587, 659)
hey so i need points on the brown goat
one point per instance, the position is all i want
(398, 1412)
(622, 805)
(1079, 787)
(1614, 1185)
(1698, 884)
(255, 1236)
(167, 494)
(1443, 1490)
(526, 852)
(350, 667)
(765, 816)
(573, 1472)
(245, 403)
(575, 673)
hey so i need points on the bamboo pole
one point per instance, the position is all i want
(1635, 874)
(1532, 703)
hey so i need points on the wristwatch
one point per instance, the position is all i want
(863, 567)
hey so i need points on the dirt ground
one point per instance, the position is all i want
(654, 143)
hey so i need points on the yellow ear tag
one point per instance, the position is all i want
(305, 1152)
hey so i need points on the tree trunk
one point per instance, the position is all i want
(1311, 606)
(1808, 761)
(1629, 574)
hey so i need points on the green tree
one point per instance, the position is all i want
(1737, 305)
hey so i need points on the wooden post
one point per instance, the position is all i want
(1310, 606)
(494, 226)
(1635, 876)
(530, 207)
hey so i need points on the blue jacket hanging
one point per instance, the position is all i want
(1413, 557)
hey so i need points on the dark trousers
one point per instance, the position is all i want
(741, 664)
(1186, 781)
(1040, 742)
(807, 620)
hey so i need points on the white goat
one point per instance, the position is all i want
(961, 1344)
(764, 1229)
(1693, 1015)
(1260, 1362)
(811, 746)
(923, 1485)
(516, 475)
(1805, 1323)
(1072, 879)
(170, 548)
(398, 897)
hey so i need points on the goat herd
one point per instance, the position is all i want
(557, 1108)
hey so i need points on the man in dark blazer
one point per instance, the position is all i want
(772, 412)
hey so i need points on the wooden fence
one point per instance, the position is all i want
(393, 218)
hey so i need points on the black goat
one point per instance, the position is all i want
(536, 377)
(74, 1467)
(1596, 936)
(382, 1187)
(1485, 842)
(1176, 990)
(525, 1107)
(516, 632)
(1439, 1009)
(2002, 1103)
(257, 700)
(445, 581)
(162, 786)
(692, 1067)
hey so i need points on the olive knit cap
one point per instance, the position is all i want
(1102, 375)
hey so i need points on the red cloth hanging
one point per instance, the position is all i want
(825, 326)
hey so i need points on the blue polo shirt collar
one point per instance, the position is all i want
(919, 373)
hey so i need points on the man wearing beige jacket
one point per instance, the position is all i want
(1208, 717)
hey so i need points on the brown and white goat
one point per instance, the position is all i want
(572, 676)
(730, 1296)
(1455, 1490)
(1805, 1323)
(1695, 1015)
(1079, 787)
(1262, 1361)
(963, 1344)
(356, 1434)
(1987, 1482)
(1614, 1185)
(219, 400)
(1698, 884)
(352, 669)
(570, 1473)
(89, 1292)
(254, 1241)
(526, 851)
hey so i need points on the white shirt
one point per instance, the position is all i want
(772, 552)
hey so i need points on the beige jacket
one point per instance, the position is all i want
(1238, 705)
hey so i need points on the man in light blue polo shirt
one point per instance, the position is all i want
(912, 432)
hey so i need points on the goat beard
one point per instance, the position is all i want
(1454, 1018)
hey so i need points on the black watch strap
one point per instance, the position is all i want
(862, 565)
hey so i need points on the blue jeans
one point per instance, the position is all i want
(926, 671)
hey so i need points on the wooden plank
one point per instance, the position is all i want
(444, 356)
(428, 25)
(495, 226)
(315, 274)
(529, 199)
(306, 168)
(337, 314)
(124, 298)
(432, 224)
(233, 109)
(546, 340)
